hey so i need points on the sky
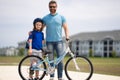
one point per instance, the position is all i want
(16, 17)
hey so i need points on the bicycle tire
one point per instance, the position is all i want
(24, 66)
(85, 65)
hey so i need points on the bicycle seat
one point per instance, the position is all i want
(45, 51)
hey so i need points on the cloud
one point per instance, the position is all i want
(16, 16)
(94, 9)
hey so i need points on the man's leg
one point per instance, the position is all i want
(59, 50)
(50, 47)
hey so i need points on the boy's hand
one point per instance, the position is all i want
(30, 52)
(30, 32)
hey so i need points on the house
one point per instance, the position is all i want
(8, 51)
(22, 44)
(102, 43)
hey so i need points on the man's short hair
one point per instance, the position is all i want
(52, 2)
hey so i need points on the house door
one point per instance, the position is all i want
(108, 47)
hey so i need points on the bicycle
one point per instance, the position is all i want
(79, 65)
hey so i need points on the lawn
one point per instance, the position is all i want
(10, 60)
(110, 66)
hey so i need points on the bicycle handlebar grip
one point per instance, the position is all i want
(67, 39)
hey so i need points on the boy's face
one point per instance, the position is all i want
(38, 25)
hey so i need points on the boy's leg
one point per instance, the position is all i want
(31, 72)
(37, 61)
(37, 73)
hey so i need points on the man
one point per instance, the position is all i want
(54, 23)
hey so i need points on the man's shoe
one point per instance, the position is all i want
(60, 79)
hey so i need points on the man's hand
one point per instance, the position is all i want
(67, 39)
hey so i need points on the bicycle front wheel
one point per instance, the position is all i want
(26, 70)
(83, 70)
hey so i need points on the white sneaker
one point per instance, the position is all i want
(60, 79)
(51, 78)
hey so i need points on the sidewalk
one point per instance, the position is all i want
(11, 73)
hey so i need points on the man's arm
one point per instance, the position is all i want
(66, 30)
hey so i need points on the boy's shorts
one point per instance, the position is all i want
(36, 53)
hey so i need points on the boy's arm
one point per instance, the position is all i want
(30, 47)
(43, 44)
(43, 41)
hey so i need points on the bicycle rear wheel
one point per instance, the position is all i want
(24, 67)
(84, 72)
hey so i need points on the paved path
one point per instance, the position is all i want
(11, 73)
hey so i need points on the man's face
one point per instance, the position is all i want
(52, 8)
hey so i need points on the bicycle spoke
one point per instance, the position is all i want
(83, 71)
(26, 67)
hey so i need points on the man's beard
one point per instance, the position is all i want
(53, 11)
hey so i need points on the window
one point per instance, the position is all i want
(105, 42)
(77, 42)
(111, 42)
(77, 48)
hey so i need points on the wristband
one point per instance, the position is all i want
(30, 44)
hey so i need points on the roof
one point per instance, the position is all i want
(101, 35)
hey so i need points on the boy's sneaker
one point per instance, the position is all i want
(31, 71)
(30, 79)
(36, 78)
(51, 78)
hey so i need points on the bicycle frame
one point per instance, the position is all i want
(44, 66)
(58, 60)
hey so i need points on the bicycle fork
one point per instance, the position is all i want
(74, 60)
(76, 66)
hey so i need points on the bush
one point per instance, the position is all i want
(90, 53)
(21, 52)
(113, 54)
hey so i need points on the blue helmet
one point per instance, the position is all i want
(37, 20)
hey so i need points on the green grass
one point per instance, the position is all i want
(109, 66)
(9, 60)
